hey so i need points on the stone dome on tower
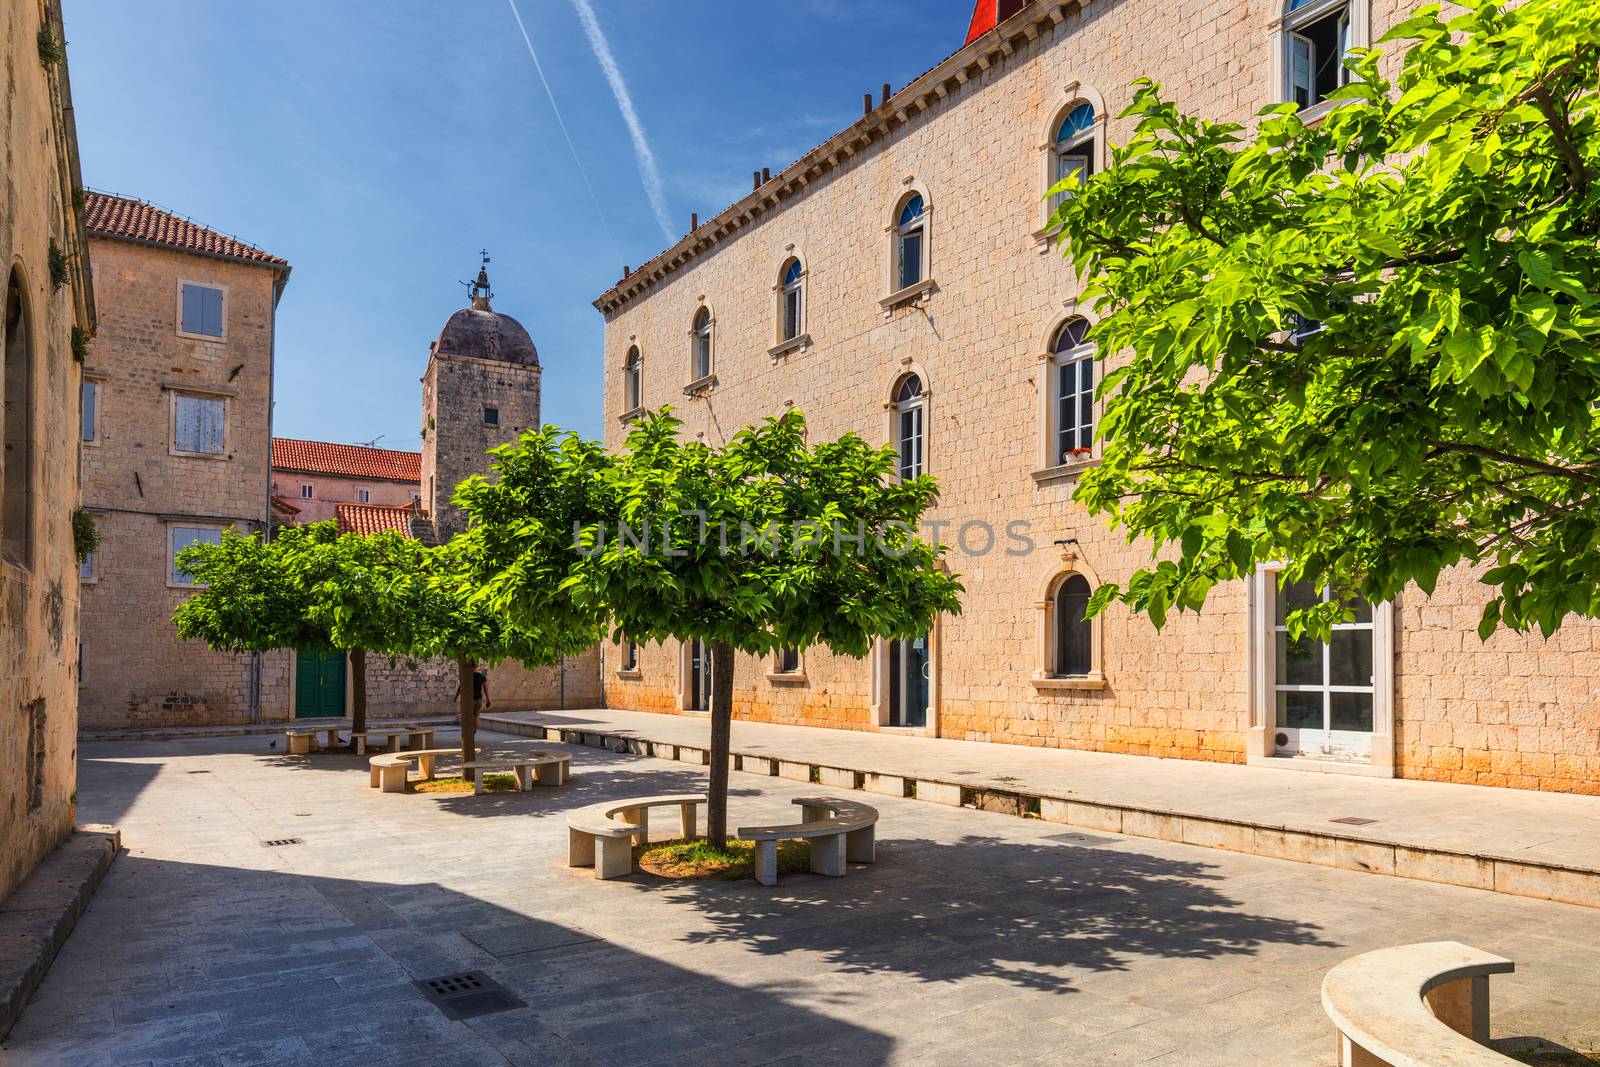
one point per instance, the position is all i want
(481, 332)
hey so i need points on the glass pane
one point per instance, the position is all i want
(1351, 711)
(1300, 711)
(1350, 658)
(1074, 635)
(1362, 609)
(1296, 595)
(1299, 662)
(912, 210)
(910, 259)
(1077, 121)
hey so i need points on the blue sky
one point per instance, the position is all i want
(379, 145)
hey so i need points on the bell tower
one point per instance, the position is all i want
(481, 390)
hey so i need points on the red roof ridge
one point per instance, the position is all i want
(131, 219)
(346, 461)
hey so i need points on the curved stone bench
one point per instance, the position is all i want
(389, 770)
(1424, 1005)
(596, 831)
(546, 768)
(839, 831)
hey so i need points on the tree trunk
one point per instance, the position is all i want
(468, 709)
(721, 741)
(358, 690)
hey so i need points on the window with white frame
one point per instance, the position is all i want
(1071, 408)
(791, 307)
(1072, 151)
(180, 538)
(910, 242)
(363, 496)
(1323, 690)
(201, 310)
(1316, 38)
(199, 424)
(89, 405)
(910, 404)
(307, 491)
(700, 345)
(632, 380)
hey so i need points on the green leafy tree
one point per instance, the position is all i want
(309, 587)
(453, 619)
(764, 543)
(1364, 346)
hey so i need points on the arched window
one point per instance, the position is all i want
(700, 361)
(909, 406)
(1316, 37)
(16, 469)
(791, 306)
(1071, 397)
(910, 242)
(1074, 634)
(1073, 147)
(632, 382)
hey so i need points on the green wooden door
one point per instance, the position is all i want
(319, 684)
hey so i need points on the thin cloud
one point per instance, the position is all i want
(600, 211)
(619, 89)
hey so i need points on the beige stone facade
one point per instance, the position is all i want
(978, 140)
(178, 448)
(39, 486)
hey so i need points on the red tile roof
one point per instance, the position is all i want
(370, 518)
(123, 217)
(346, 461)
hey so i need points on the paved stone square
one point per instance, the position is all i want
(975, 938)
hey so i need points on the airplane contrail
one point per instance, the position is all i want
(564, 131)
(619, 89)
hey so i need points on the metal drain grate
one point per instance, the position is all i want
(279, 841)
(1354, 820)
(467, 994)
(1080, 839)
(199, 772)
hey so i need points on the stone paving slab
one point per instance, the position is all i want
(1520, 842)
(976, 937)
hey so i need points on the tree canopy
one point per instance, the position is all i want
(763, 543)
(1362, 344)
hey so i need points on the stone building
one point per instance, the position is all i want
(176, 446)
(49, 313)
(897, 281)
(315, 477)
(480, 389)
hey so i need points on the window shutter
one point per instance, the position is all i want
(191, 309)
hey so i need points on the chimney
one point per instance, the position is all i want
(755, 179)
(885, 92)
(866, 103)
(626, 270)
(766, 175)
(694, 221)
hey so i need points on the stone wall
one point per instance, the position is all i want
(455, 390)
(1517, 711)
(573, 684)
(38, 581)
(136, 672)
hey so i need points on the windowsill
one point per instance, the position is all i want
(1045, 238)
(629, 676)
(1314, 114)
(793, 344)
(173, 385)
(1083, 682)
(1065, 470)
(199, 455)
(700, 386)
(631, 414)
(909, 294)
(218, 339)
(787, 677)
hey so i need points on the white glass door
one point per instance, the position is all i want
(1324, 690)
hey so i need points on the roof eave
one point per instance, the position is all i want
(898, 110)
